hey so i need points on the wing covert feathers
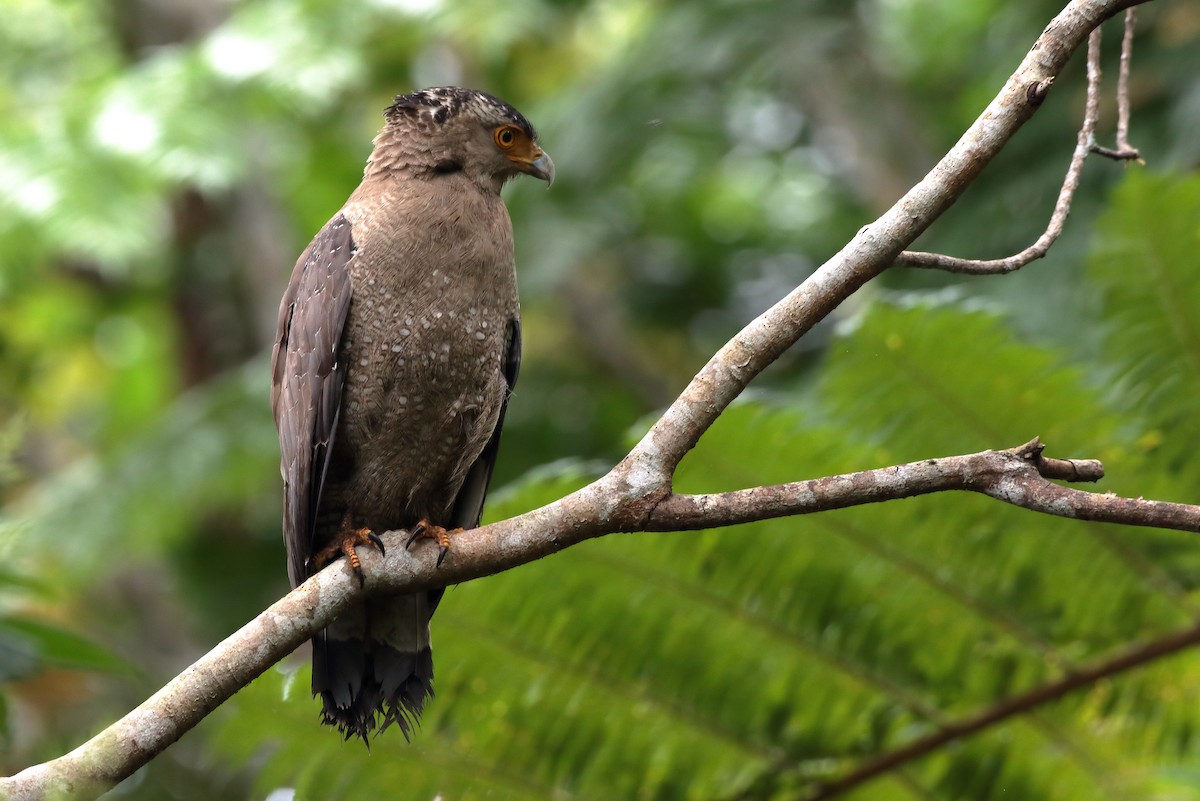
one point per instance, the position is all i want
(306, 389)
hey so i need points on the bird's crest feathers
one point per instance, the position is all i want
(440, 104)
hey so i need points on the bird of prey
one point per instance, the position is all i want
(398, 345)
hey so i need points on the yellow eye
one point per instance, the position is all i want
(505, 136)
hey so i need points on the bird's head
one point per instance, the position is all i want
(448, 130)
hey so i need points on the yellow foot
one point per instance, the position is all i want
(424, 530)
(344, 544)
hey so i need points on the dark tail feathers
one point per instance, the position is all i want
(370, 677)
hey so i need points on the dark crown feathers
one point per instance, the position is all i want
(440, 104)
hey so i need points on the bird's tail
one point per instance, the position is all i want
(373, 666)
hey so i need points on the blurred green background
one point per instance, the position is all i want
(163, 162)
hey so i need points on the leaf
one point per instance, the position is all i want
(29, 644)
(1145, 264)
(923, 379)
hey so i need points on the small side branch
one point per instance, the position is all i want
(1085, 144)
(1123, 151)
(1077, 679)
(1123, 81)
(1018, 476)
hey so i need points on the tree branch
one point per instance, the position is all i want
(131, 742)
(1010, 707)
(636, 495)
(1085, 144)
(1017, 476)
(994, 473)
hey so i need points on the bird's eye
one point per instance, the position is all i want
(505, 136)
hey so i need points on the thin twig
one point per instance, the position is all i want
(1085, 143)
(1091, 112)
(1008, 708)
(1123, 80)
(1123, 151)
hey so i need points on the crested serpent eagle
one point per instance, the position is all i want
(398, 345)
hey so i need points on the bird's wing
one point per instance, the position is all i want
(468, 506)
(306, 389)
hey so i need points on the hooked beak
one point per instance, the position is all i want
(540, 166)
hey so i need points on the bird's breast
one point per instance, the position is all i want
(423, 352)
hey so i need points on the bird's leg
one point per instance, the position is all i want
(344, 543)
(424, 530)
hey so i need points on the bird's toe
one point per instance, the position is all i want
(424, 530)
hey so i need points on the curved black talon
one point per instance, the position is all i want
(445, 549)
(415, 534)
(375, 538)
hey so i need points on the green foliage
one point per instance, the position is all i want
(209, 450)
(1148, 240)
(913, 373)
(29, 644)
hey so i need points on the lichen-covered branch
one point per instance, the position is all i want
(1019, 476)
(994, 473)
